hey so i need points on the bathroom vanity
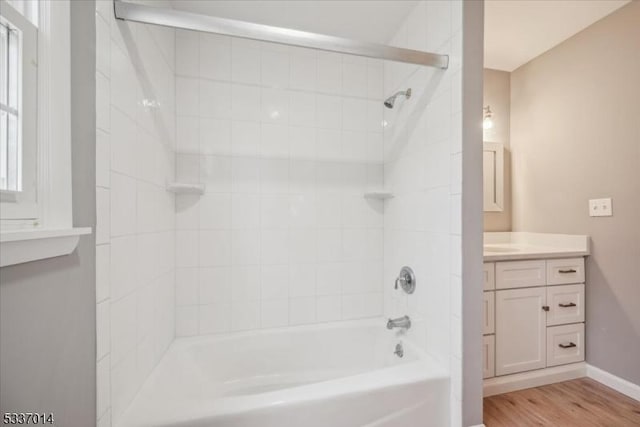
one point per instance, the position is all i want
(533, 309)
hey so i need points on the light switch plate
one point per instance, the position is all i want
(600, 207)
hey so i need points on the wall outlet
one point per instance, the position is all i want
(600, 207)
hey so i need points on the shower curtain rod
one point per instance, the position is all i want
(230, 27)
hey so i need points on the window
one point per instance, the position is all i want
(10, 138)
(36, 219)
(18, 111)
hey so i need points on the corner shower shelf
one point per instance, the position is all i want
(378, 194)
(184, 188)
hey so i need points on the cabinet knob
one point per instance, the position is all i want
(545, 307)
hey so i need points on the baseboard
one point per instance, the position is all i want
(537, 378)
(619, 384)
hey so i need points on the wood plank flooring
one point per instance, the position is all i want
(577, 403)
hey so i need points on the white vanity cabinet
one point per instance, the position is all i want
(538, 315)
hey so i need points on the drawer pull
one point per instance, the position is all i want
(567, 345)
(570, 270)
(545, 307)
(571, 304)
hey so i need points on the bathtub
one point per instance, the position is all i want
(334, 375)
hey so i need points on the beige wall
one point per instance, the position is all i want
(497, 94)
(575, 135)
(471, 223)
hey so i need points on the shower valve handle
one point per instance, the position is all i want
(406, 280)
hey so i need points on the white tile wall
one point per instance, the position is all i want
(423, 166)
(286, 141)
(135, 253)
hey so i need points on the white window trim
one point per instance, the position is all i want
(31, 245)
(54, 114)
(50, 236)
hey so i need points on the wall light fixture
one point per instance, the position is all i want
(487, 121)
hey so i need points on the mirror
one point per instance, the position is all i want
(493, 176)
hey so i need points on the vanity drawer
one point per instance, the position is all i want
(488, 356)
(520, 274)
(488, 313)
(566, 304)
(565, 344)
(489, 273)
(563, 271)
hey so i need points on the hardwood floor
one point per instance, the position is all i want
(577, 403)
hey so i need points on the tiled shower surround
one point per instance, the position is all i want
(135, 233)
(286, 141)
(423, 168)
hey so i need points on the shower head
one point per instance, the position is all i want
(392, 99)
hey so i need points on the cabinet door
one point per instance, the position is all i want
(488, 313)
(520, 330)
(488, 356)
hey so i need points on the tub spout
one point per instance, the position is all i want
(400, 322)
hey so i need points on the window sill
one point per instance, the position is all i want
(17, 247)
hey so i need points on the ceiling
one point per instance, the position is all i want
(516, 31)
(372, 21)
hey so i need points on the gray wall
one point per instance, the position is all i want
(472, 61)
(47, 308)
(575, 135)
(497, 94)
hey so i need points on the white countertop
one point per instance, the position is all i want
(522, 245)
